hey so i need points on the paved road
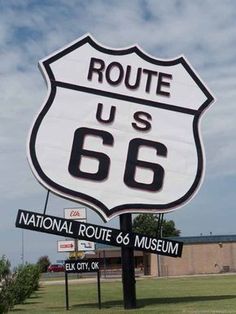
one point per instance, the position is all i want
(58, 278)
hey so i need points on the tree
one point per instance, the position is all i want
(26, 281)
(147, 224)
(6, 284)
(4, 268)
(17, 286)
(43, 263)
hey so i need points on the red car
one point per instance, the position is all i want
(56, 268)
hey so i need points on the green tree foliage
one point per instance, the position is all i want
(16, 287)
(26, 281)
(4, 268)
(6, 298)
(43, 263)
(147, 224)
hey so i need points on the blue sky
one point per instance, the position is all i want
(203, 31)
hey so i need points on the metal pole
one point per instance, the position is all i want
(22, 248)
(128, 274)
(67, 294)
(46, 203)
(159, 234)
(99, 290)
(104, 264)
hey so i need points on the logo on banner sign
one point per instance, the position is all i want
(119, 131)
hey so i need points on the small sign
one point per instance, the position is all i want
(86, 246)
(83, 231)
(81, 266)
(85, 266)
(75, 255)
(75, 213)
(66, 246)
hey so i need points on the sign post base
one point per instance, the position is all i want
(127, 258)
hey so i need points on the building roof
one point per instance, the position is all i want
(101, 246)
(206, 239)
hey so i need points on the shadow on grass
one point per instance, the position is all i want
(141, 303)
(31, 300)
(22, 304)
(206, 298)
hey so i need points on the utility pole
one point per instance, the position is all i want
(22, 248)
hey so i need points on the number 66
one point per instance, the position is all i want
(132, 162)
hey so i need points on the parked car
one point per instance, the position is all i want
(56, 268)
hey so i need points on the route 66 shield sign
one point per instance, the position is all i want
(119, 130)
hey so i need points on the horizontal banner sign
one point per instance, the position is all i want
(83, 231)
(81, 266)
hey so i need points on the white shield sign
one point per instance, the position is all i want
(119, 130)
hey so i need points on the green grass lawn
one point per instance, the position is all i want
(211, 294)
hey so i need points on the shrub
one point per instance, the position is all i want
(43, 263)
(17, 287)
(6, 284)
(26, 281)
(4, 268)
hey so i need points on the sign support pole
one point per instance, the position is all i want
(99, 290)
(159, 234)
(128, 274)
(46, 203)
(67, 294)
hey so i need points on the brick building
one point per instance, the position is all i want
(201, 255)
